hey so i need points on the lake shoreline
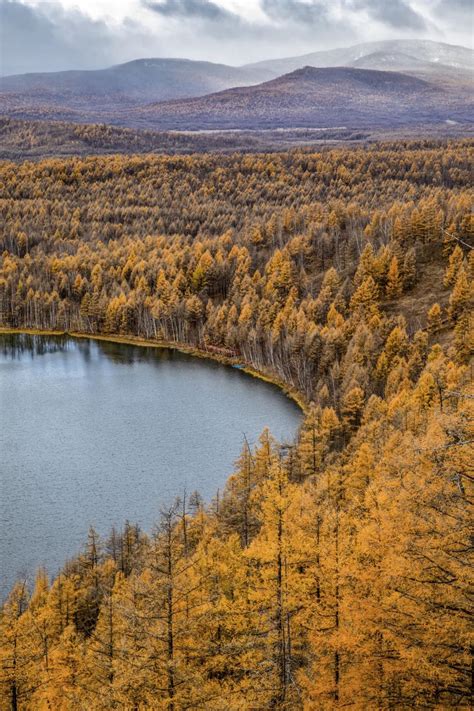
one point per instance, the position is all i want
(96, 432)
(266, 376)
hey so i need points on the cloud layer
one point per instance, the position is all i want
(203, 9)
(50, 38)
(395, 13)
(52, 35)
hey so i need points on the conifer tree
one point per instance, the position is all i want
(434, 317)
(456, 260)
(461, 295)
(274, 593)
(15, 655)
(394, 281)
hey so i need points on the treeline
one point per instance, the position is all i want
(332, 573)
(23, 139)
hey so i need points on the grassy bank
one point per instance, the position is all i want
(264, 375)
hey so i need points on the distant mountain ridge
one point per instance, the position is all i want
(424, 51)
(311, 97)
(375, 83)
(138, 81)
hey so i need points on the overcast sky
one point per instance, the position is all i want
(47, 35)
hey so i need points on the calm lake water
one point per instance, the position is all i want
(94, 433)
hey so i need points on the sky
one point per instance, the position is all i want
(50, 35)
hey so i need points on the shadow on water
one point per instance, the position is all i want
(16, 345)
(127, 354)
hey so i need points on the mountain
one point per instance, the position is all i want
(396, 61)
(443, 75)
(312, 97)
(137, 82)
(394, 83)
(385, 55)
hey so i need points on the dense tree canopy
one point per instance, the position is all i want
(334, 572)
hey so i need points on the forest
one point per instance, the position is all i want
(21, 139)
(335, 572)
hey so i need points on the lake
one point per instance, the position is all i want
(94, 433)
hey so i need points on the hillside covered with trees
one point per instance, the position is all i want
(329, 574)
(21, 140)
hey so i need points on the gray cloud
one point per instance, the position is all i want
(49, 38)
(23, 30)
(454, 11)
(396, 13)
(459, 5)
(203, 9)
(296, 11)
(215, 21)
(393, 13)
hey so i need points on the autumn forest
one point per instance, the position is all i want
(331, 572)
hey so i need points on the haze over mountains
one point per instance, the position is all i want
(392, 83)
(312, 97)
(383, 55)
(139, 81)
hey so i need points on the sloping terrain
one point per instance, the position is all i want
(31, 140)
(443, 75)
(139, 82)
(313, 97)
(342, 275)
(384, 55)
(22, 140)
